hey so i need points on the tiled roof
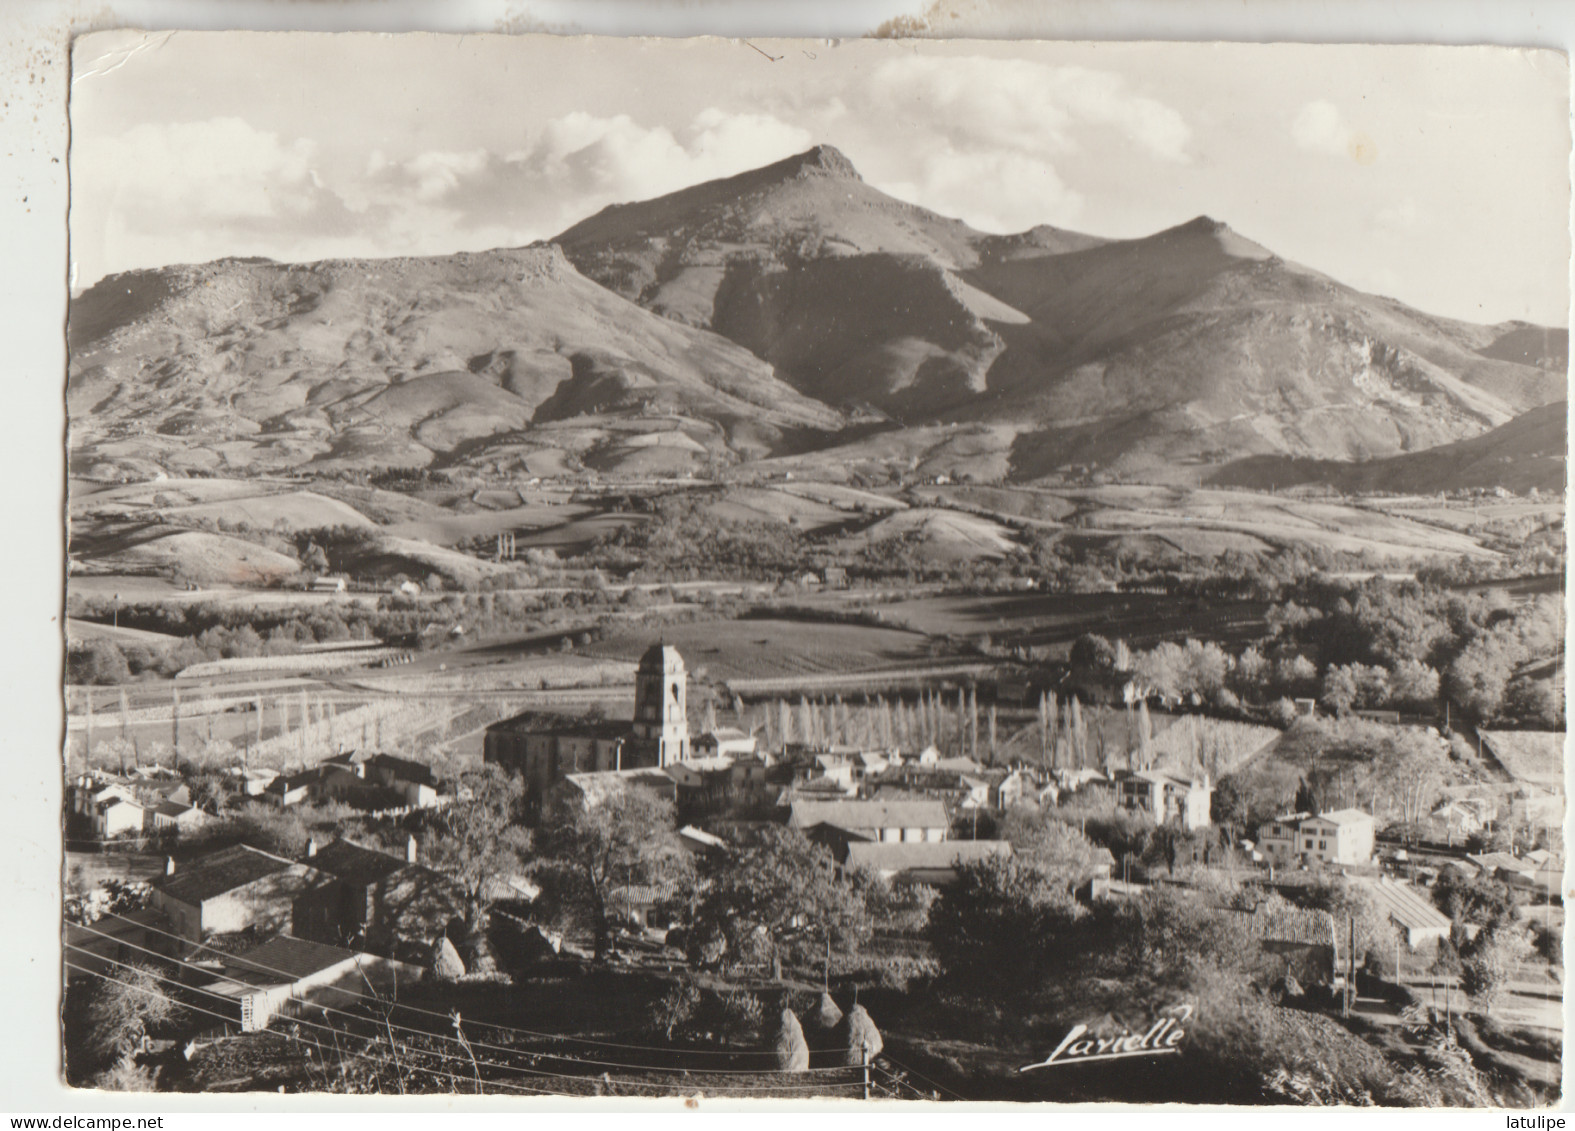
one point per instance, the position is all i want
(1407, 906)
(355, 864)
(596, 785)
(869, 814)
(1344, 817)
(1293, 925)
(1491, 861)
(403, 768)
(908, 855)
(282, 960)
(700, 836)
(224, 871)
(286, 783)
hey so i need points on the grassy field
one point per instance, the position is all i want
(759, 648)
(1051, 619)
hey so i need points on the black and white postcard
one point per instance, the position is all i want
(880, 569)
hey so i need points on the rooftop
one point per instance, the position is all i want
(869, 814)
(903, 856)
(701, 837)
(221, 872)
(1343, 817)
(1407, 905)
(1492, 861)
(355, 863)
(404, 768)
(596, 785)
(545, 722)
(1292, 924)
(283, 960)
(662, 658)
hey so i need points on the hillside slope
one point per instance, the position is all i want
(402, 362)
(1162, 357)
(1531, 451)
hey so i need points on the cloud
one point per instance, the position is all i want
(1319, 127)
(1400, 218)
(200, 190)
(1022, 190)
(1014, 105)
(216, 170)
(986, 139)
(578, 163)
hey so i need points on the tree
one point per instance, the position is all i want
(597, 845)
(1061, 854)
(1340, 689)
(97, 661)
(477, 841)
(1413, 682)
(1093, 655)
(1004, 919)
(780, 895)
(1490, 960)
(123, 1009)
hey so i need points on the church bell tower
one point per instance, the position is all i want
(661, 709)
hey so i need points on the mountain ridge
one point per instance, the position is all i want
(756, 316)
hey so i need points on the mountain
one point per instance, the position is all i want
(795, 313)
(1531, 451)
(404, 363)
(856, 298)
(1161, 357)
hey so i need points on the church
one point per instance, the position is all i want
(546, 748)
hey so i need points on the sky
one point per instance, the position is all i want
(1436, 175)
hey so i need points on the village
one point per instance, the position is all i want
(775, 859)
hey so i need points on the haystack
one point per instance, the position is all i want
(446, 963)
(863, 1039)
(827, 1015)
(791, 1048)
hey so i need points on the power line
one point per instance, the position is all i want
(470, 1060)
(294, 1020)
(512, 1029)
(516, 1050)
(926, 1079)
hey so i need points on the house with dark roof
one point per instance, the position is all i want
(382, 902)
(173, 817)
(240, 888)
(377, 781)
(286, 974)
(292, 789)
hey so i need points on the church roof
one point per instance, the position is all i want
(663, 658)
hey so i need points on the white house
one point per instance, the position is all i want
(1345, 836)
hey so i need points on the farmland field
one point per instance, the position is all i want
(761, 648)
(1059, 618)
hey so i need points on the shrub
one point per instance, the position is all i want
(675, 1009)
(742, 1012)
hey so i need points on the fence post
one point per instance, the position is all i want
(866, 1072)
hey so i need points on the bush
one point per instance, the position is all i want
(1548, 942)
(742, 1013)
(1486, 967)
(675, 1009)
